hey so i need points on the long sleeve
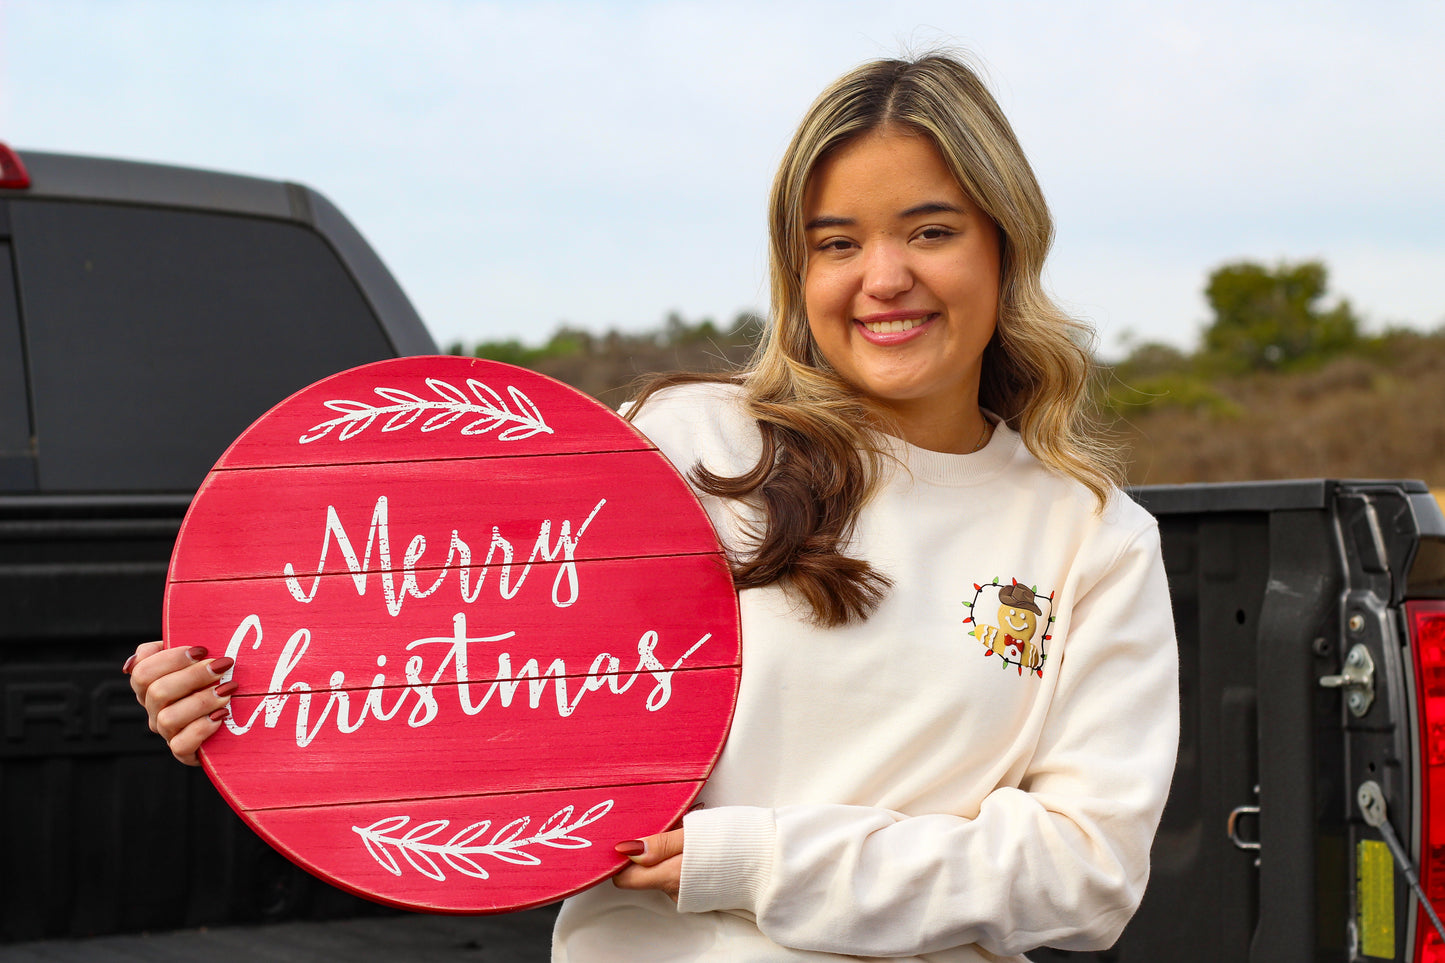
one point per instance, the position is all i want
(1058, 856)
(976, 769)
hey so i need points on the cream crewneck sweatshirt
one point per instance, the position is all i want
(976, 770)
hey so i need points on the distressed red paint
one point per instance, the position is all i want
(481, 628)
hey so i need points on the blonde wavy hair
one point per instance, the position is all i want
(821, 457)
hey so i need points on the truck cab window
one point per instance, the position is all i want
(156, 335)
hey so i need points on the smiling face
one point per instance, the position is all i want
(901, 284)
(1017, 622)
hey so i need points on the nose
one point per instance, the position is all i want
(885, 271)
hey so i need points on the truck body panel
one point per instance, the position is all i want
(148, 314)
(1274, 586)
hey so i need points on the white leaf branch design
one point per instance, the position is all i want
(450, 405)
(507, 844)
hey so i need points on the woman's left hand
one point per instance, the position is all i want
(656, 863)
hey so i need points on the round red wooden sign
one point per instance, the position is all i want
(482, 630)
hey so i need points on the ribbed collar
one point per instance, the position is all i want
(941, 468)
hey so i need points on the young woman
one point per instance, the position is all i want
(958, 713)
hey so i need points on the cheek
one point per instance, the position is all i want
(969, 285)
(816, 297)
(973, 280)
(824, 309)
(826, 343)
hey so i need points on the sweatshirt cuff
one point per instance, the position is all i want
(727, 858)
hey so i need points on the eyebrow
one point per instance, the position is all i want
(825, 221)
(928, 207)
(932, 207)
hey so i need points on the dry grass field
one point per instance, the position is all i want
(1378, 412)
(1379, 415)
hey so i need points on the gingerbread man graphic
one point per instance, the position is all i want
(1015, 637)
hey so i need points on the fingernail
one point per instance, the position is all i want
(220, 714)
(196, 653)
(227, 688)
(219, 666)
(129, 664)
(631, 847)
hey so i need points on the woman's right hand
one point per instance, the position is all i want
(179, 690)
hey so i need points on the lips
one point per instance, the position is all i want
(890, 327)
(893, 327)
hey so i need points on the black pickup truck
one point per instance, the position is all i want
(1311, 621)
(148, 314)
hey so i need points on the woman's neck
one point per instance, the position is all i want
(958, 433)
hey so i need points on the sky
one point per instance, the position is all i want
(520, 165)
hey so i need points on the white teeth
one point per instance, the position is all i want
(891, 327)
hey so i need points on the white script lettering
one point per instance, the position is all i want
(472, 694)
(565, 589)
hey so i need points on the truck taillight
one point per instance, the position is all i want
(12, 172)
(1427, 641)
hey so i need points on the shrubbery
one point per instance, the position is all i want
(606, 366)
(1283, 383)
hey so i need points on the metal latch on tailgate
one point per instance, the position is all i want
(1357, 679)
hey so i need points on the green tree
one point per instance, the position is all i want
(1273, 318)
(609, 365)
(511, 351)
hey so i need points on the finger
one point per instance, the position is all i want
(652, 850)
(159, 662)
(664, 877)
(175, 687)
(176, 717)
(185, 744)
(142, 651)
(163, 678)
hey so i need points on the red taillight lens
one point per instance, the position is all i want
(1427, 641)
(12, 172)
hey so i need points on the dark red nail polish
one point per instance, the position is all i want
(631, 847)
(220, 714)
(219, 666)
(129, 664)
(196, 653)
(227, 688)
